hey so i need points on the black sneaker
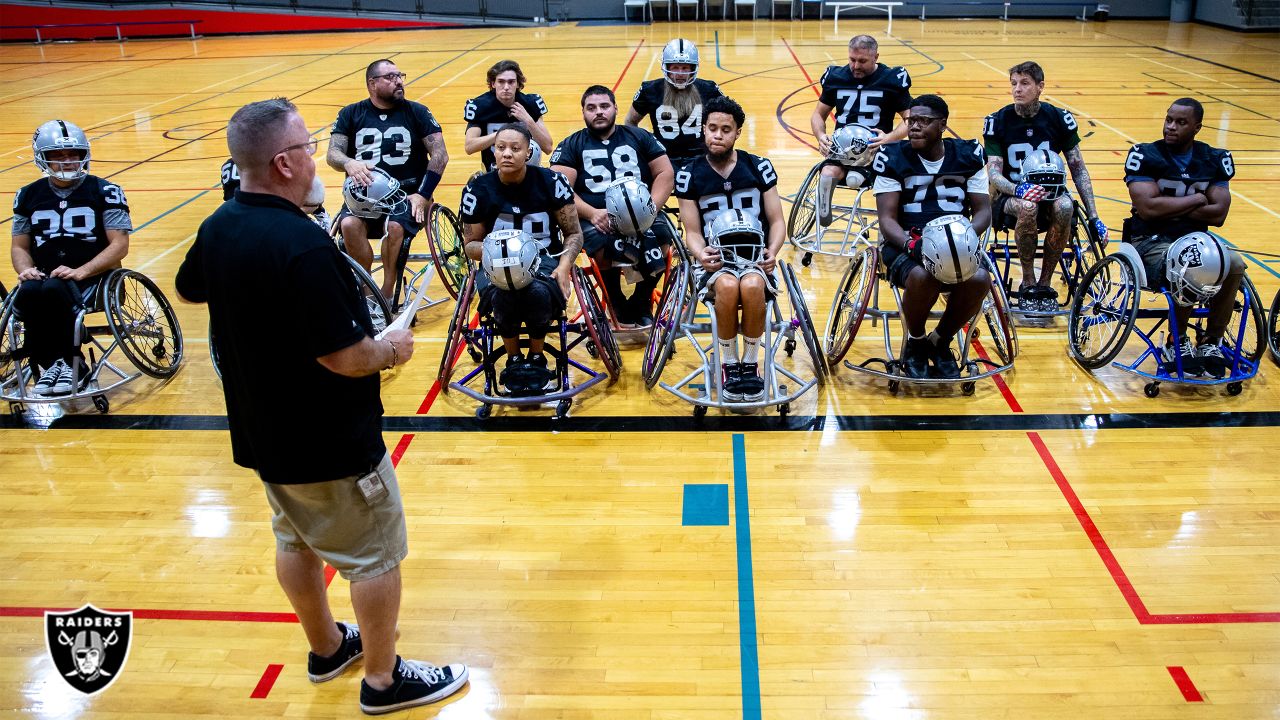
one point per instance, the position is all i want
(323, 669)
(915, 358)
(413, 683)
(1213, 360)
(751, 384)
(1049, 300)
(51, 381)
(731, 382)
(537, 364)
(514, 363)
(944, 362)
(1186, 351)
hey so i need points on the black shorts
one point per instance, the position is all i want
(376, 229)
(647, 256)
(535, 306)
(1003, 221)
(897, 264)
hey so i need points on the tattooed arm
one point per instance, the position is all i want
(1080, 174)
(338, 160)
(995, 172)
(571, 231)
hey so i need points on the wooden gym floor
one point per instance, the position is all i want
(1058, 547)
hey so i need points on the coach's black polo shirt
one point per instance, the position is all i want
(280, 295)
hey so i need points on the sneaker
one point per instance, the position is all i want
(513, 372)
(944, 362)
(1213, 360)
(322, 669)
(751, 384)
(49, 384)
(537, 363)
(1169, 356)
(1028, 298)
(413, 683)
(915, 358)
(1048, 299)
(731, 382)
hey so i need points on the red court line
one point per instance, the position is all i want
(329, 572)
(801, 66)
(628, 67)
(1000, 383)
(1188, 688)
(401, 447)
(267, 682)
(158, 614)
(434, 392)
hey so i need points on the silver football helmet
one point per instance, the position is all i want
(382, 196)
(630, 206)
(851, 145)
(1196, 266)
(739, 236)
(535, 154)
(60, 135)
(510, 258)
(680, 52)
(950, 249)
(1045, 168)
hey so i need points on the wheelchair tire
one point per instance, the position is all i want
(372, 294)
(10, 339)
(1273, 329)
(597, 324)
(800, 311)
(143, 323)
(213, 357)
(998, 318)
(454, 338)
(853, 294)
(1255, 340)
(666, 324)
(444, 232)
(804, 209)
(1103, 312)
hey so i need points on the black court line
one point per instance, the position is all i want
(1216, 64)
(714, 423)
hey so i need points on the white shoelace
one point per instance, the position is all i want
(351, 631)
(1211, 350)
(423, 671)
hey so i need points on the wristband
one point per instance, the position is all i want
(429, 183)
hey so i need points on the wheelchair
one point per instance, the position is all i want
(1273, 329)
(677, 318)
(1109, 302)
(1083, 250)
(857, 218)
(480, 340)
(858, 298)
(675, 254)
(136, 318)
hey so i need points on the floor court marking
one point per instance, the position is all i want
(1183, 681)
(267, 681)
(748, 650)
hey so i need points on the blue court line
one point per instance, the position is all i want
(750, 657)
(1260, 263)
(175, 208)
(717, 36)
(705, 505)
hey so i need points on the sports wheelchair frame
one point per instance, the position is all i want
(808, 236)
(1082, 250)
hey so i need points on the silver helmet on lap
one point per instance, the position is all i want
(510, 258)
(1196, 265)
(60, 135)
(739, 236)
(1046, 169)
(851, 145)
(950, 249)
(630, 206)
(382, 196)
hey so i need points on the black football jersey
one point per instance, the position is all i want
(681, 136)
(926, 195)
(390, 139)
(1154, 162)
(70, 231)
(488, 113)
(230, 179)
(1013, 137)
(871, 101)
(627, 153)
(744, 189)
(530, 205)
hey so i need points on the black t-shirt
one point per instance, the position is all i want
(488, 113)
(70, 231)
(230, 179)
(925, 194)
(871, 101)
(1153, 162)
(530, 205)
(680, 135)
(390, 139)
(744, 189)
(1010, 136)
(627, 153)
(291, 418)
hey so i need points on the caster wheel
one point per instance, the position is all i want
(1235, 388)
(592, 351)
(476, 356)
(562, 409)
(17, 409)
(894, 386)
(784, 409)
(1151, 389)
(100, 402)
(807, 260)
(484, 411)
(790, 346)
(977, 333)
(968, 388)
(699, 411)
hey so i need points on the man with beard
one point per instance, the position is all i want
(866, 92)
(675, 103)
(726, 180)
(593, 158)
(504, 103)
(402, 138)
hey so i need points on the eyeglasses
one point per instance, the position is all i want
(921, 119)
(392, 76)
(310, 146)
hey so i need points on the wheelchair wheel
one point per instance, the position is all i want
(454, 339)
(999, 320)
(597, 322)
(666, 325)
(379, 309)
(10, 339)
(804, 210)
(143, 323)
(213, 357)
(1103, 311)
(1273, 330)
(800, 312)
(1090, 245)
(850, 304)
(1255, 339)
(445, 234)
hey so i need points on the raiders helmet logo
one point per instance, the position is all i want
(88, 646)
(728, 186)
(1190, 256)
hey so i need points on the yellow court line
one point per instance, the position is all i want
(164, 254)
(455, 77)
